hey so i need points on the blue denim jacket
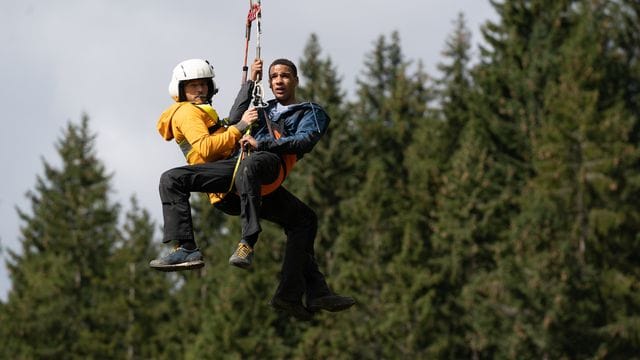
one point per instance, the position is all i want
(302, 125)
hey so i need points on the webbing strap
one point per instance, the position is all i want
(184, 145)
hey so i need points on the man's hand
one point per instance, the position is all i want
(256, 70)
(248, 118)
(249, 143)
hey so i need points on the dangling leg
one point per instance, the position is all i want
(257, 169)
(300, 224)
(175, 189)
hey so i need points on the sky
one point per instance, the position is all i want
(112, 59)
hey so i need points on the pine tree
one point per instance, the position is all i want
(455, 90)
(139, 301)
(438, 150)
(66, 243)
(391, 103)
(519, 62)
(319, 178)
(560, 140)
(576, 224)
(234, 316)
(479, 199)
(470, 187)
(390, 106)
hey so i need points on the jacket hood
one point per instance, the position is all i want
(164, 123)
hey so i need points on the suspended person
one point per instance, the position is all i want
(200, 134)
(300, 271)
(285, 131)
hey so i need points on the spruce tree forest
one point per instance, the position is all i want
(487, 211)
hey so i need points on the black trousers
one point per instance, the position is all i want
(299, 268)
(258, 168)
(300, 225)
(175, 189)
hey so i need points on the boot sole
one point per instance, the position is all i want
(330, 306)
(299, 313)
(191, 265)
(240, 265)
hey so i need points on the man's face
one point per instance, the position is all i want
(283, 84)
(196, 90)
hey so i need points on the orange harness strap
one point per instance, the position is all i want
(287, 163)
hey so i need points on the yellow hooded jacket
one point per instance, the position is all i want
(190, 126)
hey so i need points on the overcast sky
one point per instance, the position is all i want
(112, 59)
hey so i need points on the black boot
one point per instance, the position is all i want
(331, 303)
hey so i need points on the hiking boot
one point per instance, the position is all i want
(242, 257)
(295, 309)
(331, 303)
(179, 259)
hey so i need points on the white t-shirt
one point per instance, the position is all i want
(278, 110)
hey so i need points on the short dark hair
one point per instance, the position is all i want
(285, 62)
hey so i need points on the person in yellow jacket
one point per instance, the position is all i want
(207, 143)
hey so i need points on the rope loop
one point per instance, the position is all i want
(257, 97)
(253, 12)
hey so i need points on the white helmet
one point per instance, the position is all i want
(189, 70)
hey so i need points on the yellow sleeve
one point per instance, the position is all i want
(194, 125)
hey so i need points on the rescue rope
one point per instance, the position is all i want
(254, 12)
(257, 98)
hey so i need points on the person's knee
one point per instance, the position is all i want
(249, 166)
(309, 217)
(247, 173)
(168, 179)
(228, 208)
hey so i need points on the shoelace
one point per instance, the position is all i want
(243, 250)
(178, 247)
